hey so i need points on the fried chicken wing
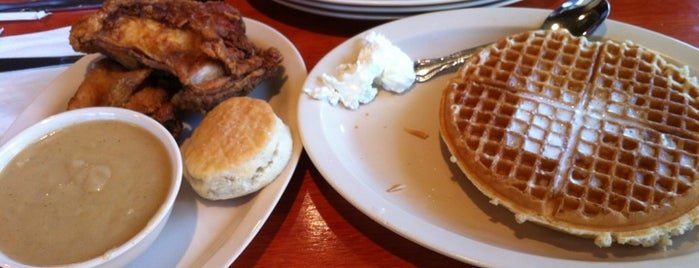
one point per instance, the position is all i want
(108, 83)
(202, 43)
(155, 102)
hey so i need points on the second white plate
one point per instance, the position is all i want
(364, 153)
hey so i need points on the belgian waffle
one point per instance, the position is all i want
(596, 139)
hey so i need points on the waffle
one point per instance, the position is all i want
(596, 139)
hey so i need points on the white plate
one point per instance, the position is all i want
(383, 12)
(394, 9)
(365, 152)
(396, 3)
(203, 233)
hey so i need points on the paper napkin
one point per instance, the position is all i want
(19, 88)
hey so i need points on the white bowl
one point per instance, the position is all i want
(135, 246)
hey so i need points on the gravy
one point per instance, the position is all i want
(80, 192)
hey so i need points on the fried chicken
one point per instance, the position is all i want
(203, 44)
(108, 83)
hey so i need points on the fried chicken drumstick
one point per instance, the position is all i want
(203, 44)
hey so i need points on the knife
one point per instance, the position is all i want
(13, 64)
(52, 5)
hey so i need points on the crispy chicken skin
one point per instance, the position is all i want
(203, 44)
(108, 83)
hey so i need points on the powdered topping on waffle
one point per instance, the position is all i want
(598, 139)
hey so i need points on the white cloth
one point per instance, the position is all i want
(19, 88)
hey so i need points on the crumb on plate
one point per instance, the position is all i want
(417, 133)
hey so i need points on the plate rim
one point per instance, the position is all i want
(383, 13)
(388, 3)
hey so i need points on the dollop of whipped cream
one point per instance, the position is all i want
(380, 64)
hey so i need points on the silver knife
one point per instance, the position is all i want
(13, 64)
(51, 5)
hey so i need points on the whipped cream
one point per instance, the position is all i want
(380, 64)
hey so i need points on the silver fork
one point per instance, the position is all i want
(581, 18)
(425, 69)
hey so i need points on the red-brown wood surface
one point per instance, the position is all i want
(313, 225)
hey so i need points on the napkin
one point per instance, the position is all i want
(19, 88)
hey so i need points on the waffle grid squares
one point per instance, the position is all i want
(484, 114)
(665, 162)
(656, 96)
(545, 67)
(586, 128)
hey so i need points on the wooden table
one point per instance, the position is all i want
(313, 225)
